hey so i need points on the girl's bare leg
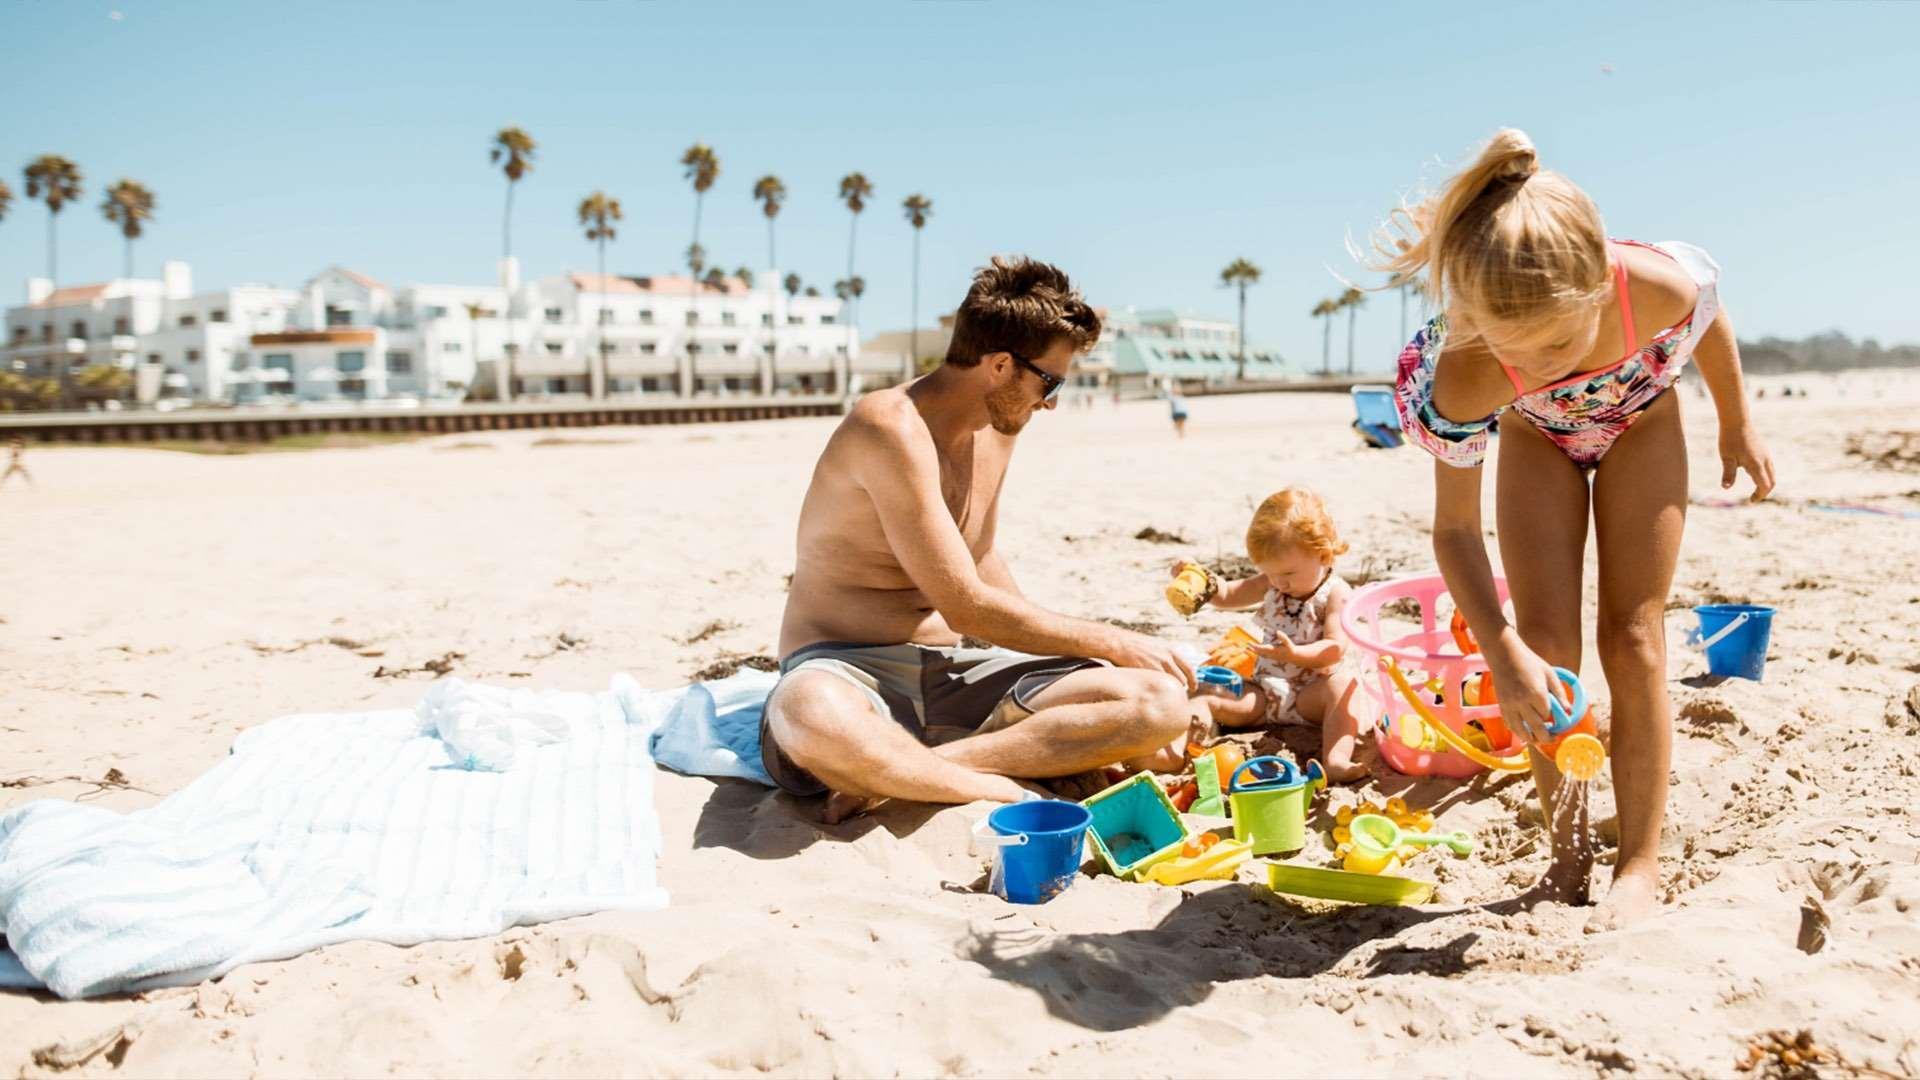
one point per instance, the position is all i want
(1336, 703)
(1640, 511)
(1542, 526)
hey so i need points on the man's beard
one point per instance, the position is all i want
(1003, 409)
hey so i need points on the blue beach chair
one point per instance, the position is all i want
(1375, 418)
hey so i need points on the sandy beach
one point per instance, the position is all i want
(153, 604)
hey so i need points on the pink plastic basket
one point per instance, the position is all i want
(1428, 654)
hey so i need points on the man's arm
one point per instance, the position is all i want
(900, 472)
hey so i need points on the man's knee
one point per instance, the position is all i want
(813, 714)
(1158, 706)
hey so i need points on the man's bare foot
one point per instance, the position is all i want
(1634, 896)
(841, 807)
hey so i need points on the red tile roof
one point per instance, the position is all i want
(73, 294)
(358, 278)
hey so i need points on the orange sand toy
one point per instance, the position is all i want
(1236, 653)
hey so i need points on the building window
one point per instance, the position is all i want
(436, 311)
(556, 386)
(235, 361)
(646, 317)
(193, 356)
(840, 350)
(693, 348)
(826, 320)
(79, 329)
(154, 358)
(353, 388)
(766, 318)
(339, 316)
(19, 334)
(693, 318)
(726, 318)
(350, 361)
(730, 349)
(606, 316)
(553, 348)
(217, 315)
(121, 325)
(649, 384)
(46, 331)
(795, 320)
(399, 362)
(451, 347)
(646, 348)
(554, 314)
(189, 320)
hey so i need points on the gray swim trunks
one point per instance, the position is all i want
(938, 693)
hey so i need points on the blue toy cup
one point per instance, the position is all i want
(1734, 637)
(1039, 846)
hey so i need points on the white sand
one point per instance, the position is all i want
(156, 603)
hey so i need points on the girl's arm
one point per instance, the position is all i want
(1718, 356)
(1461, 550)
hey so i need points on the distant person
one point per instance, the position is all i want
(1178, 406)
(1541, 314)
(880, 696)
(17, 461)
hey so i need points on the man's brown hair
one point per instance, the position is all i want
(1021, 306)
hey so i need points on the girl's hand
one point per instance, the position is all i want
(1741, 448)
(1525, 710)
(1179, 565)
(1280, 649)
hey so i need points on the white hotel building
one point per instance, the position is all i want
(344, 336)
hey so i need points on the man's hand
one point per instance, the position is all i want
(1741, 448)
(1133, 650)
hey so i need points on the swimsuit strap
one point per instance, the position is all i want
(1626, 304)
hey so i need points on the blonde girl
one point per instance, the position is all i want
(1576, 338)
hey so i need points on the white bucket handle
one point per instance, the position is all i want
(982, 833)
(1697, 645)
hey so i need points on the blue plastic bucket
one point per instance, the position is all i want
(1734, 637)
(1039, 846)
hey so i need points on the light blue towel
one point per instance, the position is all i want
(710, 729)
(360, 826)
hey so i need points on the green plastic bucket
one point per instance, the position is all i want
(1134, 826)
(1270, 810)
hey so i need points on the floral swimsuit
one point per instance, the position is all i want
(1304, 622)
(1583, 415)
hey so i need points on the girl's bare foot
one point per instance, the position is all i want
(1634, 896)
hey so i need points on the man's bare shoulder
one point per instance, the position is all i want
(884, 422)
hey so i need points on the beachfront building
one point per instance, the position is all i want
(1138, 349)
(1155, 347)
(344, 336)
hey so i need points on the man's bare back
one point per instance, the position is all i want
(848, 585)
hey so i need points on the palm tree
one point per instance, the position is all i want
(598, 212)
(791, 283)
(129, 205)
(1239, 274)
(1325, 309)
(55, 181)
(1403, 284)
(1353, 300)
(918, 209)
(475, 309)
(772, 195)
(716, 279)
(513, 150)
(854, 191)
(745, 274)
(701, 167)
(812, 291)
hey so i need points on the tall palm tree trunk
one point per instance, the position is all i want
(1241, 374)
(913, 327)
(53, 251)
(1326, 344)
(503, 377)
(1353, 313)
(773, 316)
(129, 257)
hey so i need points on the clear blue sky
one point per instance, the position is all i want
(1140, 145)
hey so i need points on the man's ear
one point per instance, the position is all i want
(996, 363)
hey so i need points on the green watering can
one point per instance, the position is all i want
(1270, 808)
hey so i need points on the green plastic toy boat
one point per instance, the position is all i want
(1345, 885)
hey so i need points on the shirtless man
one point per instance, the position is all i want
(897, 559)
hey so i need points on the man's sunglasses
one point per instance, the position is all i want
(1052, 382)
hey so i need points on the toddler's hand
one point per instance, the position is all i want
(1179, 565)
(1279, 649)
